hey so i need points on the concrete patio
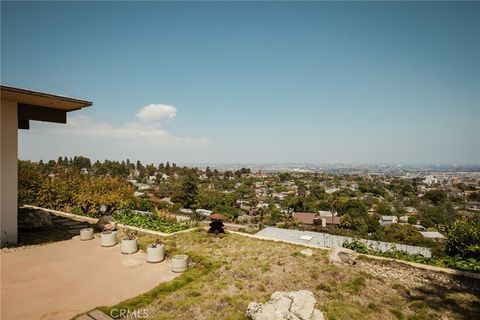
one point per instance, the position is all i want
(63, 279)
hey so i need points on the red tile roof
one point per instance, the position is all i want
(309, 217)
(304, 217)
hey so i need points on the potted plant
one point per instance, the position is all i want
(129, 242)
(108, 238)
(86, 234)
(155, 252)
(179, 263)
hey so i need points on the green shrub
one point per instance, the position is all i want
(454, 262)
(463, 238)
(151, 221)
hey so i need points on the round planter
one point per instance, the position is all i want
(129, 246)
(179, 263)
(108, 239)
(86, 234)
(156, 254)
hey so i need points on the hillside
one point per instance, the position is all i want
(229, 271)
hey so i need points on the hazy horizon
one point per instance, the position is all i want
(259, 164)
(267, 82)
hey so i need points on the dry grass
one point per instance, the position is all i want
(230, 271)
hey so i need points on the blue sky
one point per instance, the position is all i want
(368, 82)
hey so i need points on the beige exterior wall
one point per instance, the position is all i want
(8, 171)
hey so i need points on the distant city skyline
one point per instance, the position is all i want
(267, 82)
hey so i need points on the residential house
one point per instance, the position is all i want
(330, 221)
(388, 220)
(151, 179)
(204, 212)
(411, 211)
(433, 235)
(429, 180)
(18, 108)
(304, 217)
(324, 213)
(311, 218)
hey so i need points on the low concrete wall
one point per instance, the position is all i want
(119, 225)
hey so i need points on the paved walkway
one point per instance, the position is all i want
(63, 279)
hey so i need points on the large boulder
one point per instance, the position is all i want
(293, 305)
(106, 223)
(33, 218)
(343, 256)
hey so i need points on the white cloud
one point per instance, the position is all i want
(148, 130)
(156, 112)
(136, 132)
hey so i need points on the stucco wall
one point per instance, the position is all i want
(8, 171)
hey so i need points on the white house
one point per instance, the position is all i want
(434, 235)
(17, 108)
(429, 180)
(204, 212)
(388, 220)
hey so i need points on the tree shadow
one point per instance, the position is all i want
(60, 230)
(461, 296)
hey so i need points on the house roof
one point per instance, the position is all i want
(432, 234)
(40, 106)
(42, 99)
(304, 217)
(388, 218)
(331, 220)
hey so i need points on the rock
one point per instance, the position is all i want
(307, 252)
(33, 218)
(343, 256)
(293, 305)
(106, 223)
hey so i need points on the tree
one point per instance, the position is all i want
(187, 192)
(317, 192)
(354, 207)
(436, 196)
(354, 223)
(208, 172)
(412, 220)
(29, 181)
(404, 233)
(384, 209)
(474, 196)
(463, 238)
